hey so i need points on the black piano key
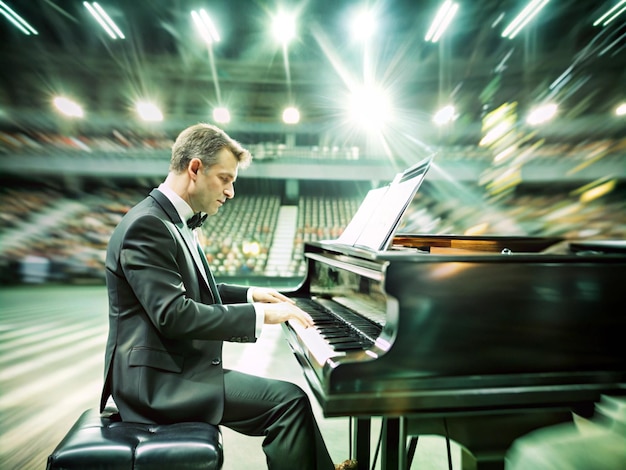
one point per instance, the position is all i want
(344, 347)
(345, 339)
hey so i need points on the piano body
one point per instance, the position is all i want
(482, 339)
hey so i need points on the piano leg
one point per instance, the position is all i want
(394, 439)
(362, 436)
(390, 444)
(411, 450)
(395, 454)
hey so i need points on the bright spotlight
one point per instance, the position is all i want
(104, 20)
(521, 20)
(149, 111)
(284, 27)
(364, 25)
(291, 116)
(205, 26)
(68, 107)
(369, 107)
(442, 20)
(17, 21)
(610, 14)
(445, 115)
(621, 110)
(541, 114)
(221, 115)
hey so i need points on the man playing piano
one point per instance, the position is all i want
(168, 318)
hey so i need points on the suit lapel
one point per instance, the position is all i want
(201, 265)
(166, 205)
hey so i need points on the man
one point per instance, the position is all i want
(168, 318)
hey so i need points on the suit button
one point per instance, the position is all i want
(216, 362)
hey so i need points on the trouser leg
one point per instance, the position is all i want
(281, 412)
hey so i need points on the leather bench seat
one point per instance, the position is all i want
(103, 441)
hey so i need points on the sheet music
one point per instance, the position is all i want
(383, 222)
(368, 207)
(380, 212)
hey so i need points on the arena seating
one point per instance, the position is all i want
(239, 238)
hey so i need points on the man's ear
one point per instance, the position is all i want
(195, 165)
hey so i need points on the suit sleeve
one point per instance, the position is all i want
(155, 266)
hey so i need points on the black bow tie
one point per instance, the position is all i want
(196, 220)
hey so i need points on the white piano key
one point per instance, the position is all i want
(317, 346)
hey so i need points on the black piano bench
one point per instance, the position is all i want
(105, 442)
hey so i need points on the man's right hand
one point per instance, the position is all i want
(284, 311)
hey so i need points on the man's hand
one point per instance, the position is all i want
(283, 311)
(279, 308)
(262, 294)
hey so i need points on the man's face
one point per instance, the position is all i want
(215, 184)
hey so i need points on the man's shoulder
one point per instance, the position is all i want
(147, 208)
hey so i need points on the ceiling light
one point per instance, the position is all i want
(442, 21)
(523, 18)
(608, 13)
(221, 115)
(105, 20)
(284, 27)
(370, 107)
(291, 115)
(68, 107)
(149, 111)
(364, 25)
(19, 22)
(205, 26)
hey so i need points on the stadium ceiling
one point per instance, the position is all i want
(559, 56)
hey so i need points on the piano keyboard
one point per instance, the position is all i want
(336, 330)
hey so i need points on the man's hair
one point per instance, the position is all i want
(204, 141)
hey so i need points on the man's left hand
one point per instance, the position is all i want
(266, 295)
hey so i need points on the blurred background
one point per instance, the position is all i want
(522, 103)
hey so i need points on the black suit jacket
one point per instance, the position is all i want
(163, 359)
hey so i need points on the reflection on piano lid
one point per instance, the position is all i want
(598, 246)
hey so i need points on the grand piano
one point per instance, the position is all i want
(479, 339)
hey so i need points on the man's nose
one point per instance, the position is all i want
(230, 192)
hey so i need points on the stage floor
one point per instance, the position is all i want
(52, 342)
